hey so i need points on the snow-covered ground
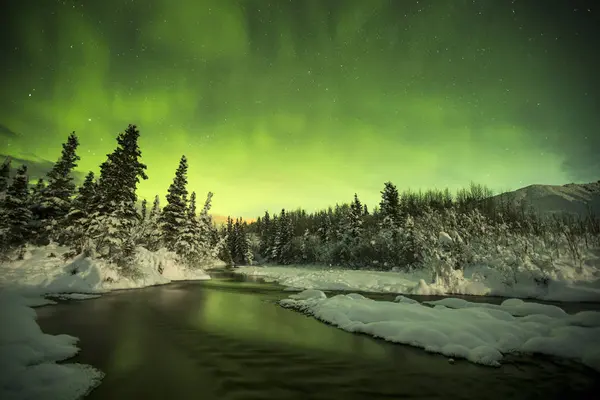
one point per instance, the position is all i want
(480, 333)
(566, 283)
(28, 368)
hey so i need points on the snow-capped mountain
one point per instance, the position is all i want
(572, 198)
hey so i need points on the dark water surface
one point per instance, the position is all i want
(228, 339)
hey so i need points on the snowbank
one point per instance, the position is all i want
(28, 357)
(568, 283)
(480, 333)
(43, 271)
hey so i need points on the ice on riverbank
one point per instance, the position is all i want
(28, 368)
(481, 333)
(567, 283)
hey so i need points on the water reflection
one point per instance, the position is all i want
(250, 317)
(224, 339)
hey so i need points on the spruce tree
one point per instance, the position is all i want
(355, 215)
(174, 215)
(4, 175)
(78, 219)
(115, 214)
(152, 235)
(35, 205)
(17, 214)
(389, 207)
(265, 234)
(58, 193)
(188, 245)
(144, 210)
(121, 172)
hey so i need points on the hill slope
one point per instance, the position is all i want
(574, 199)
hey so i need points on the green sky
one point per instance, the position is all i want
(305, 102)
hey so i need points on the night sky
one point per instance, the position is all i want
(305, 102)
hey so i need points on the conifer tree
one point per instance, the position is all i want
(355, 218)
(389, 207)
(58, 193)
(144, 210)
(35, 205)
(115, 214)
(264, 234)
(152, 235)
(17, 214)
(78, 219)
(121, 172)
(174, 214)
(4, 175)
(186, 244)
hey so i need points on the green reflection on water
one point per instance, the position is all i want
(248, 316)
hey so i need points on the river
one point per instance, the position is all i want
(228, 339)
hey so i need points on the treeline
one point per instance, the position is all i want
(404, 231)
(102, 217)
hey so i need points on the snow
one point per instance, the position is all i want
(478, 332)
(28, 368)
(28, 357)
(43, 271)
(567, 282)
(574, 199)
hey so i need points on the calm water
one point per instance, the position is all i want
(228, 339)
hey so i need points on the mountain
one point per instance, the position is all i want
(574, 199)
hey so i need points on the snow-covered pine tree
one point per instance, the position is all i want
(208, 236)
(17, 214)
(264, 233)
(78, 218)
(144, 210)
(174, 214)
(237, 251)
(304, 246)
(355, 218)
(389, 207)
(152, 235)
(115, 214)
(4, 176)
(35, 205)
(188, 245)
(57, 195)
(121, 172)
(248, 255)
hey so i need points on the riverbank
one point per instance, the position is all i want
(28, 357)
(568, 283)
(478, 332)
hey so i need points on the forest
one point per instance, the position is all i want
(436, 229)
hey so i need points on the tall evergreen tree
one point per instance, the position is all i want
(144, 210)
(152, 234)
(58, 193)
(265, 233)
(174, 215)
(4, 175)
(188, 245)
(355, 218)
(121, 172)
(17, 214)
(389, 207)
(35, 205)
(115, 215)
(78, 219)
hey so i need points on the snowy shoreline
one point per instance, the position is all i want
(28, 357)
(570, 285)
(478, 332)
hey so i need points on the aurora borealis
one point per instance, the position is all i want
(305, 102)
